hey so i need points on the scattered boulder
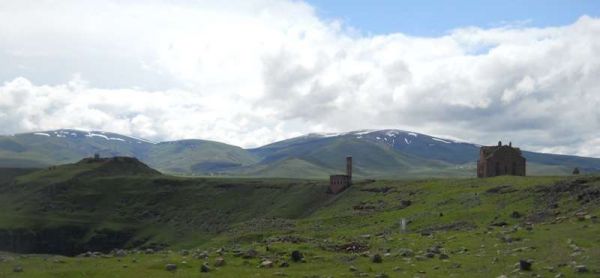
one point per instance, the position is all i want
(250, 254)
(284, 264)
(405, 252)
(351, 247)
(434, 249)
(581, 216)
(297, 256)
(200, 255)
(509, 239)
(405, 203)
(581, 269)
(382, 275)
(219, 261)
(525, 265)
(184, 253)
(266, 264)
(120, 253)
(149, 251)
(444, 256)
(59, 261)
(429, 255)
(204, 268)
(499, 224)
(353, 268)
(18, 269)
(171, 267)
(377, 259)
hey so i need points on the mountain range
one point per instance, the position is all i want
(376, 153)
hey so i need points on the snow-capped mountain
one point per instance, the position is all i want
(83, 134)
(417, 144)
(377, 153)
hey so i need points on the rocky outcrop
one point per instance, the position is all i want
(64, 240)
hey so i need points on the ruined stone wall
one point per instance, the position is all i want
(338, 183)
(503, 161)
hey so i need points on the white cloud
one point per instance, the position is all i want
(252, 72)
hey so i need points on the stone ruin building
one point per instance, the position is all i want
(338, 183)
(500, 160)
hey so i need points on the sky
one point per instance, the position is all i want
(436, 18)
(253, 72)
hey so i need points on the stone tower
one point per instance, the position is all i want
(339, 183)
(349, 168)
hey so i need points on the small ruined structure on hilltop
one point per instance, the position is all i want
(338, 183)
(500, 160)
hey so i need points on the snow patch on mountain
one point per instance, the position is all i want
(441, 140)
(77, 133)
(363, 132)
(391, 133)
(97, 135)
(326, 135)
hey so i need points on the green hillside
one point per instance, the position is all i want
(197, 156)
(455, 227)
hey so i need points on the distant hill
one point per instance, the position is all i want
(40, 149)
(377, 153)
(116, 166)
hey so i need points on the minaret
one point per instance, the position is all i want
(349, 169)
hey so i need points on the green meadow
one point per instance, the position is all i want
(139, 223)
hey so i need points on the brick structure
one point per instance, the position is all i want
(500, 160)
(338, 183)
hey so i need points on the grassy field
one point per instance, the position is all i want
(454, 227)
